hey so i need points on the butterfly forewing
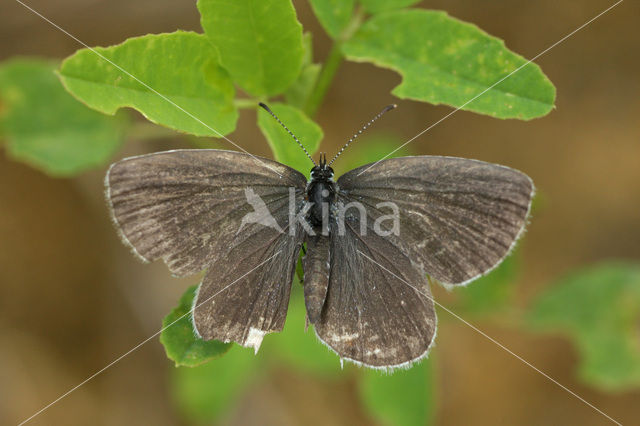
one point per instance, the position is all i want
(458, 218)
(187, 207)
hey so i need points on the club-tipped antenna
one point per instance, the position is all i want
(266, 108)
(385, 109)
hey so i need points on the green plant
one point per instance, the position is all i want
(187, 82)
(599, 309)
(44, 126)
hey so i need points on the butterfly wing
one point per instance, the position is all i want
(458, 218)
(190, 209)
(378, 309)
(246, 296)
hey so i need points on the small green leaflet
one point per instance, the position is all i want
(334, 15)
(179, 340)
(181, 66)
(446, 61)
(284, 148)
(46, 127)
(599, 309)
(259, 42)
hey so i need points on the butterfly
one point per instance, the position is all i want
(374, 238)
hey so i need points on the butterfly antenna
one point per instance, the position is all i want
(266, 108)
(385, 109)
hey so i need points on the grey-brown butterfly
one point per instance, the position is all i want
(372, 238)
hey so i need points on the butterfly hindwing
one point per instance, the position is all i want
(246, 295)
(458, 218)
(378, 309)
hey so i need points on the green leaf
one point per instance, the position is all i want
(378, 6)
(259, 42)
(207, 392)
(299, 348)
(404, 398)
(181, 66)
(284, 148)
(599, 309)
(180, 341)
(46, 127)
(444, 60)
(334, 15)
(489, 294)
(299, 91)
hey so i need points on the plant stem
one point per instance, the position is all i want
(331, 65)
(325, 79)
(245, 103)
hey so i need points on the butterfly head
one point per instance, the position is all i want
(322, 171)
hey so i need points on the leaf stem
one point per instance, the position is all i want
(245, 103)
(325, 79)
(331, 65)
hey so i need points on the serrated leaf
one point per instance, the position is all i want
(207, 392)
(334, 15)
(181, 66)
(46, 127)
(259, 42)
(446, 61)
(599, 309)
(180, 341)
(378, 6)
(404, 398)
(489, 294)
(284, 148)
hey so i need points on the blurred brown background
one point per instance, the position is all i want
(72, 298)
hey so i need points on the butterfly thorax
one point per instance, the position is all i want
(321, 191)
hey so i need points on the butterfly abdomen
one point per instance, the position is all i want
(316, 275)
